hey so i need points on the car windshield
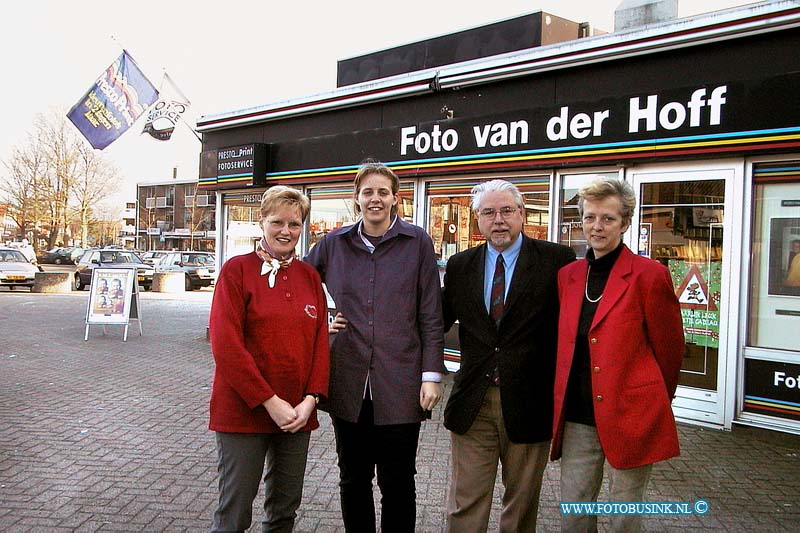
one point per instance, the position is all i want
(12, 256)
(118, 257)
(197, 259)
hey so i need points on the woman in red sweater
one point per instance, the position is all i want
(269, 337)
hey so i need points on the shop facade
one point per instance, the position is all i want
(701, 116)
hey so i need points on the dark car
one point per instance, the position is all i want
(199, 267)
(111, 258)
(57, 256)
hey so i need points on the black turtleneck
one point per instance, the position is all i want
(579, 406)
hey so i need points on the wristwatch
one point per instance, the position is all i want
(313, 395)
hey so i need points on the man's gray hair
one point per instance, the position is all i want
(495, 186)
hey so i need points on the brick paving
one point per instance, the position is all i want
(106, 435)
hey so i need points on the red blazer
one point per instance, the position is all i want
(636, 347)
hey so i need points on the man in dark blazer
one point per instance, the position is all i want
(504, 295)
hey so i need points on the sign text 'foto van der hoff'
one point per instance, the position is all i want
(530, 125)
(644, 114)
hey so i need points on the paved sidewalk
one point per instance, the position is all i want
(106, 435)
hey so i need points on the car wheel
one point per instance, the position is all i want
(188, 283)
(58, 261)
(79, 285)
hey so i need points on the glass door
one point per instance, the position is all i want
(681, 222)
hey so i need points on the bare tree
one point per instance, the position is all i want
(105, 224)
(96, 179)
(54, 176)
(61, 145)
(26, 171)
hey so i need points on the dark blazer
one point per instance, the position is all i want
(523, 346)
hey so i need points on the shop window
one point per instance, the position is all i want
(242, 232)
(570, 228)
(333, 207)
(453, 226)
(774, 312)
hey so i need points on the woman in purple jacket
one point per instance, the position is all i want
(387, 357)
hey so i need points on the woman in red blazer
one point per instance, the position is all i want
(620, 348)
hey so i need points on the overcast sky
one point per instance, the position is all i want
(225, 55)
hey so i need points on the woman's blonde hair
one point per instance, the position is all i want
(281, 195)
(604, 187)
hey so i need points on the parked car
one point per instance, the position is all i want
(62, 255)
(16, 270)
(76, 253)
(199, 267)
(57, 256)
(154, 256)
(111, 258)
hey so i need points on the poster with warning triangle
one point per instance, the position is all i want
(698, 290)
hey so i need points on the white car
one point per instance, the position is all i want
(199, 267)
(153, 257)
(16, 270)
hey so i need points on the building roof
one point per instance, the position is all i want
(184, 181)
(694, 31)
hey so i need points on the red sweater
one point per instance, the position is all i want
(266, 341)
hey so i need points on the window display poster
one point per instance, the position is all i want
(697, 286)
(110, 295)
(784, 256)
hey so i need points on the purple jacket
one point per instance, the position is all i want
(391, 299)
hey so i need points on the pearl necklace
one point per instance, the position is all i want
(586, 288)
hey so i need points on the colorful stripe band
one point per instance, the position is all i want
(771, 405)
(749, 141)
(720, 143)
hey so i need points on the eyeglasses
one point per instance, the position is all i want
(505, 212)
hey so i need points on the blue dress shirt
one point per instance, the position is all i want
(510, 256)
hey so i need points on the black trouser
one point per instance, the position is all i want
(364, 448)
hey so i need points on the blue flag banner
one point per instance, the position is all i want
(120, 95)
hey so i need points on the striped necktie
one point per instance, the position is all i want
(498, 290)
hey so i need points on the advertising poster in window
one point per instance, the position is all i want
(784, 256)
(110, 296)
(698, 290)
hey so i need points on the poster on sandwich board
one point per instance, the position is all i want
(113, 298)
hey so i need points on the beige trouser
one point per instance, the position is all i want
(474, 469)
(582, 462)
